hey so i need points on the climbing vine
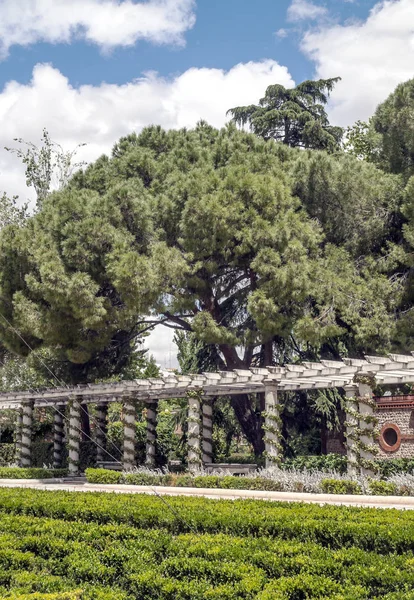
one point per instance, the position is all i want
(360, 425)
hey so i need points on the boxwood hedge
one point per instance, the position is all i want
(83, 546)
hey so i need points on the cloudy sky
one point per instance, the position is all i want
(93, 70)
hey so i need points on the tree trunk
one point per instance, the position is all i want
(85, 423)
(250, 421)
(250, 418)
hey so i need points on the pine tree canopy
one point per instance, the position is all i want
(259, 250)
(296, 117)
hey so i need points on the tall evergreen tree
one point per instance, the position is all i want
(296, 117)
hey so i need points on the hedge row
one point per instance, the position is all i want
(334, 527)
(31, 473)
(328, 485)
(338, 463)
(113, 547)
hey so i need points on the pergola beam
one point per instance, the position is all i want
(391, 369)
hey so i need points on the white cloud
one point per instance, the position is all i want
(107, 23)
(301, 10)
(99, 115)
(281, 33)
(372, 57)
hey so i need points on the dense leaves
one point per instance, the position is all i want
(296, 117)
(122, 547)
(251, 246)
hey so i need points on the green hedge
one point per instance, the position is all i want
(93, 546)
(31, 473)
(327, 462)
(328, 485)
(76, 595)
(104, 476)
(338, 463)
(340, 486)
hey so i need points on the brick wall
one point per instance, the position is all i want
(404, 418)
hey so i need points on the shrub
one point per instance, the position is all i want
(104, 476)
(328, 462)
(31, 473)
(382, 488)
(340, 486)
(76, 595)
(7, 454)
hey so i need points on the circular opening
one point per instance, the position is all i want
(390, 436)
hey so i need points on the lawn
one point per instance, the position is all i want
(118, 547)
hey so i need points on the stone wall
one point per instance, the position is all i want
(404, 419)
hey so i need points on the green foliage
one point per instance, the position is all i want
(382, 488)
(353, 200)
(340, 486)
(116, 547)
(11, 213)
(327, 462)
(362, 141)
(31, 473)
(295, 117)
(104, 476)
(46, 166)
(393, 123)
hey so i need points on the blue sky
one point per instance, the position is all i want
(91, 71)
(225, 33)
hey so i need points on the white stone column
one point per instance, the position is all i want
(26, 443)
(151, 433)
(207, 430)
(101, 431)
(58, 425)
(366, 424)
(74, 435)
(351, 391)
(129, 420)
(18, 435)
(272, 426)
(194, 450)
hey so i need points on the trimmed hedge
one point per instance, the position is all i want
(328, 485)
(76, 595)
(31, 473)
(90, 546)
(341, 486)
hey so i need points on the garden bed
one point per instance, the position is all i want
(114, 547)
(271, 480)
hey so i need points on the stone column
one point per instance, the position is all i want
(366, 425)
(207, 430)
(151, 433)
(26, 440)
(58, 425)
(101, 431)
(129, 419)
(194, 451)
(18, 435)
(74, 435)
(352, 421)
(272, 426)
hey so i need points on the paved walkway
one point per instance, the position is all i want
(80, 485)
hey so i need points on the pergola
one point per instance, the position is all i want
(349, 374)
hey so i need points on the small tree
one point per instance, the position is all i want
(48, 166)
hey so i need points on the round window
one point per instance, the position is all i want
(390, 438)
